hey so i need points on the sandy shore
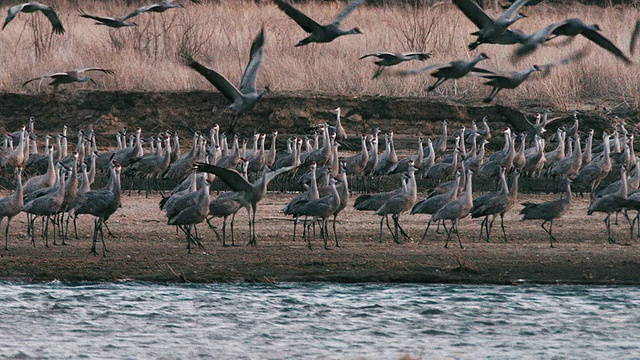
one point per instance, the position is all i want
(147, 249)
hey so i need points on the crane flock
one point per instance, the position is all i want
(62, 188)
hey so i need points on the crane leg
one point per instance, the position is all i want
(295, 225)
(446, 244)
(436, 84)
(6, 234)
(233, 219)
(104, 244)
(426, 231)
(335, 234)
(404, 233)
(607, 222)
(95, 238)
(455, 224)
(325, 226)
(549, 231)
(381, 220)
(493, 218)
(504, 233)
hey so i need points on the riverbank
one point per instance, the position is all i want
(146, 249)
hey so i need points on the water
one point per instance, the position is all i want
(317, 321)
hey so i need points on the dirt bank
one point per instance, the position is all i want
(288, 113)
(145, 248)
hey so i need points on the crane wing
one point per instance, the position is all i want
(597, 38)
(306, 23)
(106, 71)
(232, 178)
(248, 83)
(220, 82)
(11, 13)
(138, 12)
(346, 11)
(53, 18)
(421, 70)
(473, 12)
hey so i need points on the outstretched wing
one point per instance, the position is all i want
(576, 56)
(473, 12)
(93, 17)
(306, 23)
(634, 38)
(53, 18)
(106, 71)
(597, 38)
(34, 79)
(11, 14)
(380, 55)
(139, 11)
(248, 83)
(421, 70)
(220, 82)
(513, 9)
(346, 11)
(232, 178)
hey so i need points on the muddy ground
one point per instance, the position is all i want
(146, 248)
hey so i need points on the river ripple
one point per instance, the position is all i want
(317, 321)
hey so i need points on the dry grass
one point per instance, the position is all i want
(145, 58)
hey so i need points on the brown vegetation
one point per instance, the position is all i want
(145, 57)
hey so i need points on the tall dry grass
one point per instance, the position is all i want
(145, 58)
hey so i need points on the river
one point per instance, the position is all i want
(316, 321)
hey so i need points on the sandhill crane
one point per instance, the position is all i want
(520, 158)
(398, 204)
(404, 164)
(511, 80)
(428, 158)
(373, 202)
(388, 159)
(456, 210)
(151, 166)
(441, 146)
(125, 155)
(611, 203)
(31, 7)
(160, 7)
(16, 156)
(270, 158)
(11, 205)
(42, 181)
(534, 161)
(225, 205)
(320, 33)
(111, 22)
(180, 169)
(258, 159)
(46, 205)
(248, 194)
(441, 171)
(587, 154)
(373, 153)
(321, 209)
(490, 31)
(194, 212)
(574, 27)
(338, 129)
(569, 165)
(597, 170)
(70, 76)
(356, 164)
(548, 211)
(294, 205)
(245, 98)
(432, 204)
(452, 70)
(498, 204)
(101, 204)
(70, 195)
(394, 58)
